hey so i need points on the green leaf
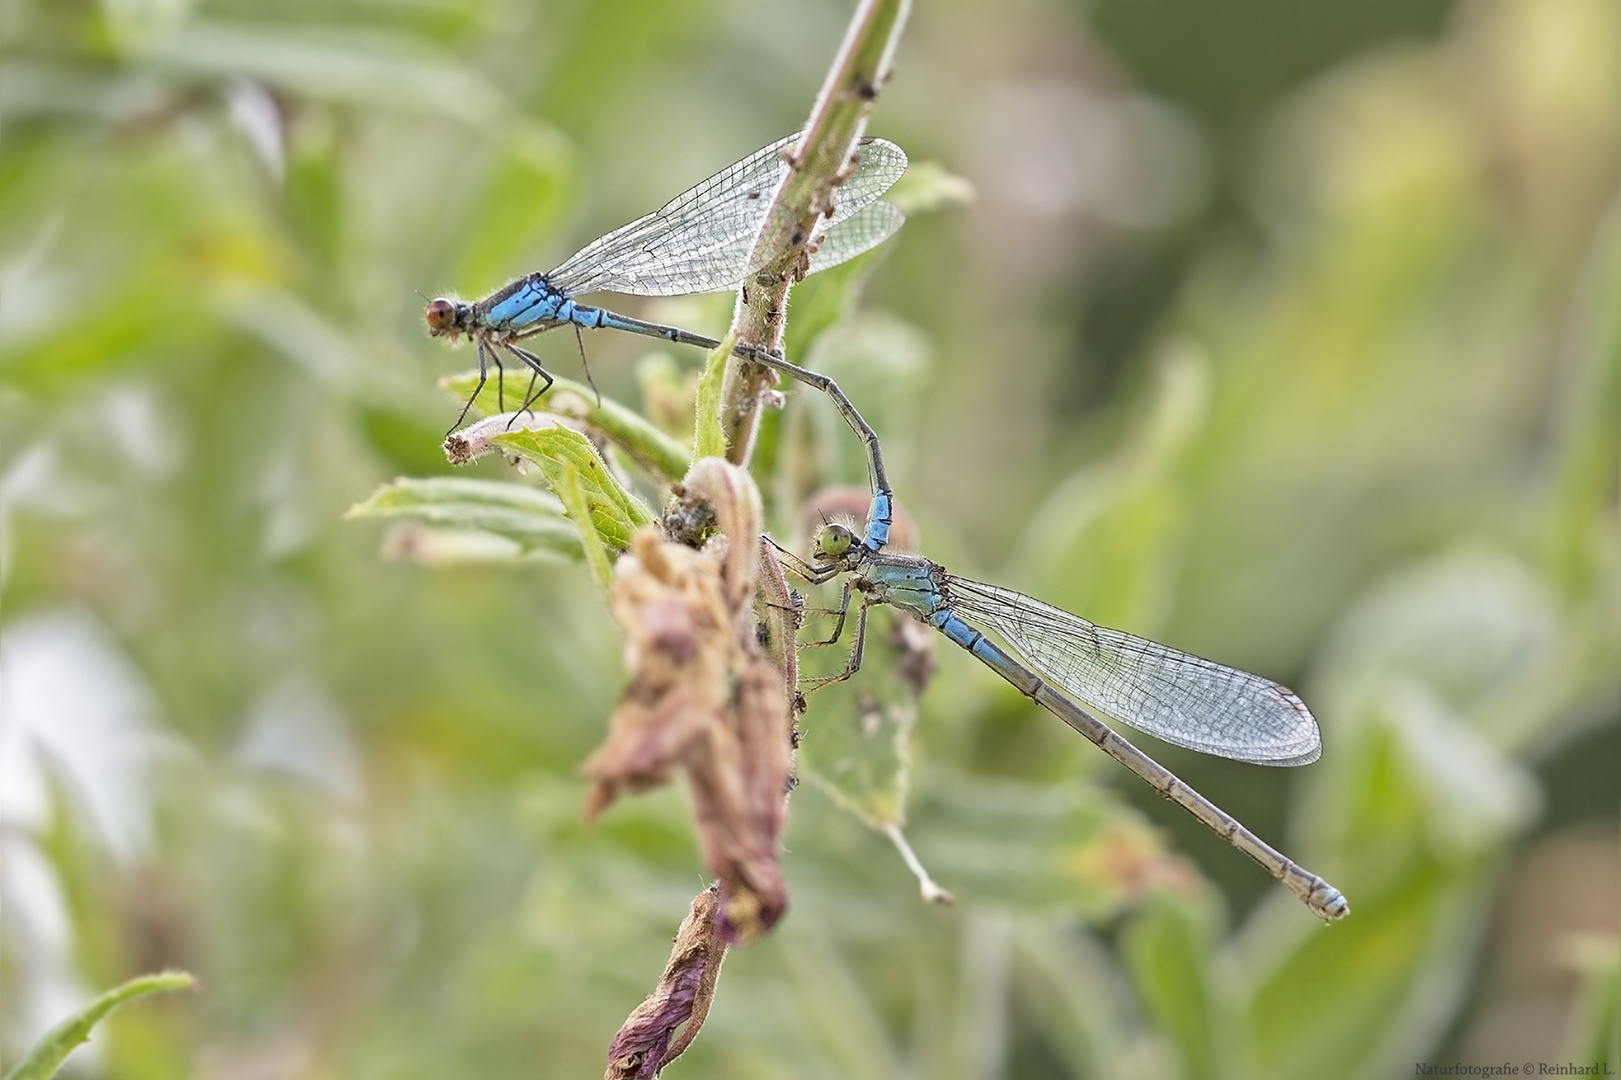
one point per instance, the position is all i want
(1166, 949)
(534, 520)
(48, 1055)
(1037, 848)
(927, 187)
(521, 200)
(1595, 1034)
(363, 68)
(882, 364)
(856, 741)
(578, 504)
(1124, 518)
(1587, 441)
(603, 511)
(708, 439)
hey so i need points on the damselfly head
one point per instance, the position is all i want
(834, 540)
(442, 316)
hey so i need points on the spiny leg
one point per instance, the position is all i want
(795, 608)
(537, 371)
(529, 394)
(579, 339)
(842, 611)
(846, 408)
(482, 378)
(884, 497)
(815, 575)
(818, 575)
(856, 651)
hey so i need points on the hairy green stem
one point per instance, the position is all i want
(819, 164)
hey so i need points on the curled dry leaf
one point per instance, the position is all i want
(678, 646)
(473, 441)
(735, 500)
(738, 794)
(779, 611)
(646, 1041)
(704, 696)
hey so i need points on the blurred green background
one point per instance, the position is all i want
(1288, 333)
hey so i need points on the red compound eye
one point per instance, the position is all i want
(441, 316)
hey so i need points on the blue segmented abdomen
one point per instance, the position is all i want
(878, 519)
(957, 630)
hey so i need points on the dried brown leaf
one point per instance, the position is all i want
(704, 696)
(646, 1041)
(678, 646)
(739, 789)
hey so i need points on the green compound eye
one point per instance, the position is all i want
(834, 540)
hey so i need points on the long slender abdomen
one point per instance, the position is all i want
(1321, 897)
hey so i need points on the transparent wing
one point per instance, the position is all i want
(1168, 694)
(860, 232)
(880, 163)
(692, 238)
(700, 240)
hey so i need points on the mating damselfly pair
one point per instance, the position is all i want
(702, 241)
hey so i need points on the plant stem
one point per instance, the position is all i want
(818, 166)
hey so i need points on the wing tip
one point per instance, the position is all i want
(1311, 743)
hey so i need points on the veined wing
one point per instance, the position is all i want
(700, 240)
(858, 233)
(1171, 695)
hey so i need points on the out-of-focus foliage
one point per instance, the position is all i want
(1311, 365)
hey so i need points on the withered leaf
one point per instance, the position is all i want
(678, 645)
(704, 696)
(646, 1041)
